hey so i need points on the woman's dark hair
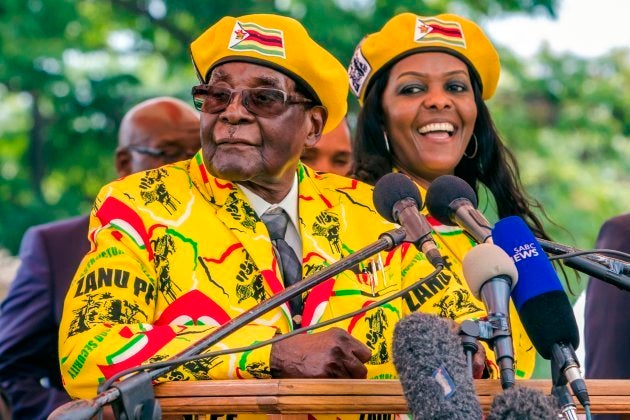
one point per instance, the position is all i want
(493, 164)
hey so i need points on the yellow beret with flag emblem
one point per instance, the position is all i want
(281, 43)
(406, 34)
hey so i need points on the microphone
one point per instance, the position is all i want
(453, 202)
(523, 403)
(615, 265)
(541, 302)
(432, 369)
(397, 200)
(491, 276)
(610, 270)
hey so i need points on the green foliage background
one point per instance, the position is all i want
(70, 68)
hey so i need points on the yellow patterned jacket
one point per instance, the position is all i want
(176, 252)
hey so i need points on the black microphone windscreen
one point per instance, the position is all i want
(392, 188)
(523, 404)
(443, 191)
(430, 362)
(548, 319)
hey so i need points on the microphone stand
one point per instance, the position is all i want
(489, 331)
(609, 270)
(568, 409)
(134, 394)
(613, 264)
(560, 389)
(470, 332)
(565, 371)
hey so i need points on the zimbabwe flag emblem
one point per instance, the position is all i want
(252, 37)
(440, 31)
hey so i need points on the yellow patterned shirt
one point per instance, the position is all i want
(176, 252)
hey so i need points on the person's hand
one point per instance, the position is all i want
(107, 413)
(479, 358)
(479, 361)
(330, 354)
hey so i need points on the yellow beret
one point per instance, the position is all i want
(407, 34)
(281, 43)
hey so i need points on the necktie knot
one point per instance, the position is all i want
(276, 220)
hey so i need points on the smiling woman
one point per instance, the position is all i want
(430, 115)
(422, 82)
(424, 112)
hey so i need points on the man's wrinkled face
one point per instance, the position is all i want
(238, 145)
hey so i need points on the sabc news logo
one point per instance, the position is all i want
(525, 251)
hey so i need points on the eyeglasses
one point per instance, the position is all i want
(167, 154)
(263, 102)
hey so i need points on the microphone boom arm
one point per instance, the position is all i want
(613, 264)
(386, 241)
(609, 270)
(80, 409)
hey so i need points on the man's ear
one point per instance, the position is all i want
(318, 116)
(123, 162)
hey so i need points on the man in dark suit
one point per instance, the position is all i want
(153, 133)
(606, 320)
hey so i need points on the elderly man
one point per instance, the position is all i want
(152, 133)
(179, 250)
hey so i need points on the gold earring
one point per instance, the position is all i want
(386, 142)
(476, 148)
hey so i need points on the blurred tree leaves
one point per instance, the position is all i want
(70, 68)
(566, 118)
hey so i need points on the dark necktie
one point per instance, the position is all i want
(276, 220)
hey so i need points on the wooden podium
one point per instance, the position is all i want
(295, 398)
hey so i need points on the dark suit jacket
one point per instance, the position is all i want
(606, 317)
(30, 316)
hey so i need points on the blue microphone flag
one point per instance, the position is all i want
(539, 298)
(514, 236)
